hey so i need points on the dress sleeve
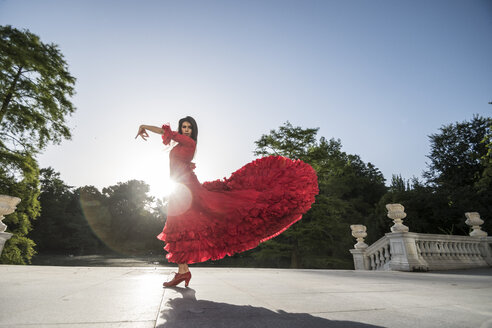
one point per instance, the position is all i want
(173, 135)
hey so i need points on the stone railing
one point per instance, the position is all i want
(379, 255)
(7, 206)
(401, 250)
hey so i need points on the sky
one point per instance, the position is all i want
(381, 76)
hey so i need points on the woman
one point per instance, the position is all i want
(214, 219)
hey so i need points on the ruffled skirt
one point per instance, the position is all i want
(223, 217)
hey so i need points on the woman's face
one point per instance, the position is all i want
(186, 128)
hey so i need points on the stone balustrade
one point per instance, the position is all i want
(401, 250)
(7, 206)
(379, 255)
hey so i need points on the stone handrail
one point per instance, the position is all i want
(401, 250)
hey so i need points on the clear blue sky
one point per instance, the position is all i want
(379, 75)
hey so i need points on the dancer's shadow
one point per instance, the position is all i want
(187, 311)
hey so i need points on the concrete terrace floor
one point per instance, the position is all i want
(51, 296)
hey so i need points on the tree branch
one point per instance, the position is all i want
(8, 97)
(14, 139)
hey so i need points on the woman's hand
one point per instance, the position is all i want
(142, 133)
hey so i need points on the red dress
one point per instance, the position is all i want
(214, 219)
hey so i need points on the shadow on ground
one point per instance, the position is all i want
(187, 311)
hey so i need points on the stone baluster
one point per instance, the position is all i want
(461, 250)
(439, 250)
(7, 206)
(475, 251)
(382, 259)
(468, 251)
(446, 249)
(387, 254)
(373, 263)
(418, 247)
(457, 250)
(396, 212)
(474, 221)
(377, 260)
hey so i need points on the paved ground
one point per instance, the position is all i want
(49, 296)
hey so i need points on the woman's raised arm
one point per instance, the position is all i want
(142, 131)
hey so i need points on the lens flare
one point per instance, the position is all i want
(179, 200)
(98, 217)
(109, 230)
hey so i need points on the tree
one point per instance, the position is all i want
(61, 216)
(455, 170)
(85, 221)
(35, 87)
(457, 152)
(485, 181)
(455, 182)
(133, 225)
(19, 249)
(288, 141)
(349, 191)
(420, 204)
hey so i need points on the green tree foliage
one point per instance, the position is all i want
(485, 181)
(455, 182)
(35, 87)
(455, 170)
(19, 177)
(456, 154)
(420, 203)
(134, 222)
(123, 219)
(288, 141)
(349, 192)
(62, 228)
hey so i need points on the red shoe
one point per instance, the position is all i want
(179, 277)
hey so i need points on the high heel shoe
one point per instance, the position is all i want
(178, 278)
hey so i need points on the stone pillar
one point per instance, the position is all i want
(404, 253)
(485, 249)
(7, 206)
(361, 261)
(474, 221)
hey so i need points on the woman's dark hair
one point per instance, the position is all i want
(194, 127)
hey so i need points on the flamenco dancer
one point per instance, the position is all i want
(211, 220)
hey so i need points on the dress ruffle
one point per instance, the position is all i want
(258, 202)
(168, 134)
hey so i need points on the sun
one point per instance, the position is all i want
(162, 188)
(150, 163)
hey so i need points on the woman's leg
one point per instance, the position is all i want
(183, 274)
(183, 268)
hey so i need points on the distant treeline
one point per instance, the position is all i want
(124, 218)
